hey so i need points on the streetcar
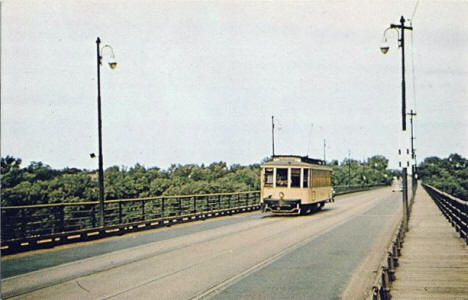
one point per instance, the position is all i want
(294, 185)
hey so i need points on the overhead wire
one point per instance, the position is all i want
(412, 55)
(414, 10)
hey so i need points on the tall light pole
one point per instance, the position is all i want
(112, 65)
(384, 48)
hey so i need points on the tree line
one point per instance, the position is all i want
(38, 183)
(371, 171)
(447, 174)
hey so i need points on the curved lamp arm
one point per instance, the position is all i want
(385, 47)
(112, 62)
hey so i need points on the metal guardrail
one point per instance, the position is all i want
(454, 209)
(345, 189)
(30, 227)
(386, 270)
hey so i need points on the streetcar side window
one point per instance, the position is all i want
(282, 177)
(305, 178)
(268, 177)
(295, 177)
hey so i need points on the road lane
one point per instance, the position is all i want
(220, 259)
(321, 268)
(22, 263)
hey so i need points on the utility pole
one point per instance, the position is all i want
(273, 135)
(413, 155)
(349, 167)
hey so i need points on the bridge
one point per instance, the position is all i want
(220, 246)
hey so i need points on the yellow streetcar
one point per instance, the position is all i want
(293, 185)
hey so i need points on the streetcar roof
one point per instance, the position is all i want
(295, 161)
(298, 158)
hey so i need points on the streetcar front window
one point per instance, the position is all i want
(268, 177)
(295, 177)
(281, 177)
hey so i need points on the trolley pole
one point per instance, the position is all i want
(273, 135)
(325, 151)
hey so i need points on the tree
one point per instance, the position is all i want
(11, 172)
(449, 174)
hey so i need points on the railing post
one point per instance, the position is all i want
(120, 212)
(194, 204)
(391, 267)
(62, 218)
(142, 210)
(23, 223)
(219, 202)
(162, 207)
(180, 206)
(385, 284)
(92, 216)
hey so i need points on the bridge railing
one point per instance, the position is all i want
(29, 227)
(46, 225)
(454, 209)
(344, 189)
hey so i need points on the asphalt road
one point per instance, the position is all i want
(251, 256)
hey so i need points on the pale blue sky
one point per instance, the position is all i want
(198, 82)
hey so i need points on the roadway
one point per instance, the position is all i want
(327, 255)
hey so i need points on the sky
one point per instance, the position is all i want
(198, 82)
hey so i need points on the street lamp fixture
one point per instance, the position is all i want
(400, 28)
(112, 65)
(384, 48)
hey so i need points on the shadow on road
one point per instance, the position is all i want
(313, 213)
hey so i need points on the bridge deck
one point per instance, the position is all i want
(434, 261)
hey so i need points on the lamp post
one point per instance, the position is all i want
(384, 48)
(112, 65)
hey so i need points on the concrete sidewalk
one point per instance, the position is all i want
(434, 261)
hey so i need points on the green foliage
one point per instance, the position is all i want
(353, 172)
(38, 183)
(449, 174)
